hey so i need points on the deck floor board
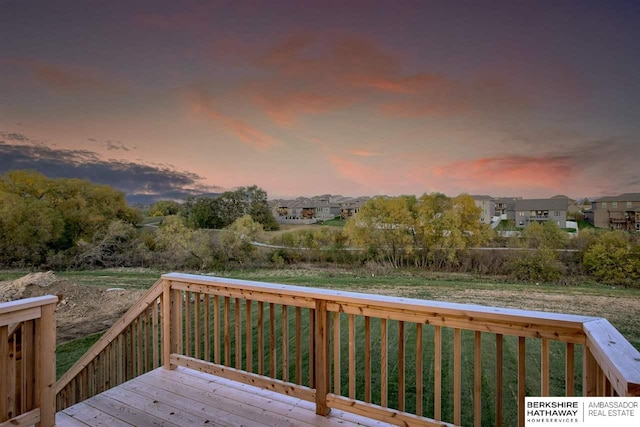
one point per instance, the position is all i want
(185, 397)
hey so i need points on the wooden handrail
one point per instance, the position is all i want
(197, 322)
(615, 356)
(28, 361)
(116, 329)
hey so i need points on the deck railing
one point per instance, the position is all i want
(27, 361)
(398, 360)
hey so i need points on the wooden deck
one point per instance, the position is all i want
(185, 397)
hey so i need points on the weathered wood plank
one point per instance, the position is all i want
(88, 415)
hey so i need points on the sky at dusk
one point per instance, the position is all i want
(507, 98)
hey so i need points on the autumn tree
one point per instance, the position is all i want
(237, 239)
(446, 226)
(165, 208)
(222, 211)
(179, 246)
(39, 215)
(385, 227)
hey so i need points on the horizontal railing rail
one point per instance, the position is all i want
(27, 361)
(398, 360)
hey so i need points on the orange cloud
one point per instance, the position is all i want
(306, 74)
(550, 172)
(356, 172)
(284, 106)
(68, 78)
(404, 85)
(364, 153)
(309, 73)
(203, 105)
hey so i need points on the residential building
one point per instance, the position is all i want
(620, 212)
(502, 204)
(486, 205)
(319, 208)
(526, 211)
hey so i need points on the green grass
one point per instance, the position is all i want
(507, 225)
(336, 222)
(583, 224)
(67, 354)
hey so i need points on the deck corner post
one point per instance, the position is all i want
(322, 356)
(47, 362)
(168, 326)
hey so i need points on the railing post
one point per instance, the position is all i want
(589, 370)
(168, 327)
(322, 370)
(47, 365)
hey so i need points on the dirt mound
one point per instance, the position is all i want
(11, 290)
(82, 310)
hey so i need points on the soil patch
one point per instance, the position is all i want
(82, 309)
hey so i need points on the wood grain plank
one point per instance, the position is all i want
(457, 377)
(367, 359)
(477, 379)
(352, 356)
(384, 362)
(522, 375)
(248, 336)
(285, 343)
(569, 370)
(499, 369)
(437, 373)
(238, 334)
(419, 367)
(336, 353)
(88, 415)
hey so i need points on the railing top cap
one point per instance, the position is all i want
(22, 304)
(397, 302)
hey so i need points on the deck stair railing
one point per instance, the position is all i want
(27, 361)
(398, 360)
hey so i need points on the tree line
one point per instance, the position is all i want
(70, 223)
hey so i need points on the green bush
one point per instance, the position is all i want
(614, 259)
(540, 265)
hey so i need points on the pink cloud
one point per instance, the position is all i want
(404, 85)
(354, 171)
(515, 171)
(68, 78)
(307, 74)
(203, 105)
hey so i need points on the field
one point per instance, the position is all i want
(620, 305)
